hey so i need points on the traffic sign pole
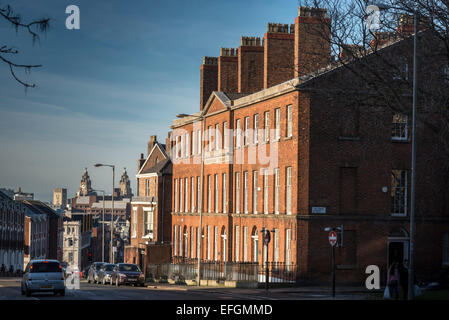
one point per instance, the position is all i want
(333, 242)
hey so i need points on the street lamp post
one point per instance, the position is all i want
(112, 213)
(102, 223)
(411, 270)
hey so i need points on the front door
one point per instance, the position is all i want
(141, 261)
(397, 251)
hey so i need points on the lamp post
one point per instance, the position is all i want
(102, 223)
(411, 270)
(112, 214)
(200, 205)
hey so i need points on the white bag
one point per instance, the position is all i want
(417, 291)
(387, 294)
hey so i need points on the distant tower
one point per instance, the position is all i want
(125, 185)
(85, 188)
(60, 197)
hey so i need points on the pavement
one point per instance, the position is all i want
(10, 290)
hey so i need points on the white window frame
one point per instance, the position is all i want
(245, 191)
(237, 134)
(209, 193)
(208, 243)
(192, 242)
(186, 196)
(288, 244)
(181, 194)
(215, 243)
(266, 132)
(216, 192)
(237, 192)
(134, 226)
(224, 198)
(276, 246)
(175, 240)
(256, 129)
(209, 133)
(245, 244)
(255, 185)
(199, 141)
(225, 136)
(147, 187)
(187, 153)
(176, 195)
(277, 122)
(246, 133)
(194, 143)
(217, 137)
(192, 193)
(288, 191)
(289, 121)
(198, 192)
(400, 130)
(265, 191)
(276, 190)
(403, 188)
(237, 243)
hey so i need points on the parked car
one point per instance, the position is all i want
(93, 272)
(127, 273)
(43, 276)
(105, 273)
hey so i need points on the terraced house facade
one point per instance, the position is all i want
(276, 153)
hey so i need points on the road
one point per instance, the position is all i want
(10, 290)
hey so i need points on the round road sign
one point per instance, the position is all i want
(332, 238)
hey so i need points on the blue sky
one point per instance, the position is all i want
(105, 89)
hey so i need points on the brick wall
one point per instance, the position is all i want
(250, 65)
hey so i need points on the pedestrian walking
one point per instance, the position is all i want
(403, 276)
(393, 280)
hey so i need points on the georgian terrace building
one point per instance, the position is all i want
(293, 160)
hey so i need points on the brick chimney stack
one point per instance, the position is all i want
(140, 162)
(312, 40)
(208, 79)
(228, 70)
(279, 54)
(250, 65)
(151, 143)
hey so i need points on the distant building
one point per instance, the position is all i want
(19, 195)
(54, 231)
(150, 239)
(85, 188)
(72, 243)
(125, 186)
(60, 197)
(37, 226)
(12, 220)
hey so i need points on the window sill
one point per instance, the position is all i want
(288, 138)
(398, 215)
(349, 138)
(400, 140)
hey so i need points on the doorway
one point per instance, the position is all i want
(398, 246)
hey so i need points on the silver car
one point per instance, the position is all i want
(43, 276)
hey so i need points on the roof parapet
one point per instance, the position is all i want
(210, 61)
(228, 52)
(251, 41)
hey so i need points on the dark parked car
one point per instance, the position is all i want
(105, 273)
(93, 272)
(127, 273)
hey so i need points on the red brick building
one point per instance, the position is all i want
(150, 215)
(293, 160)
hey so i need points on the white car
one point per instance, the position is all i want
(43, 276)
